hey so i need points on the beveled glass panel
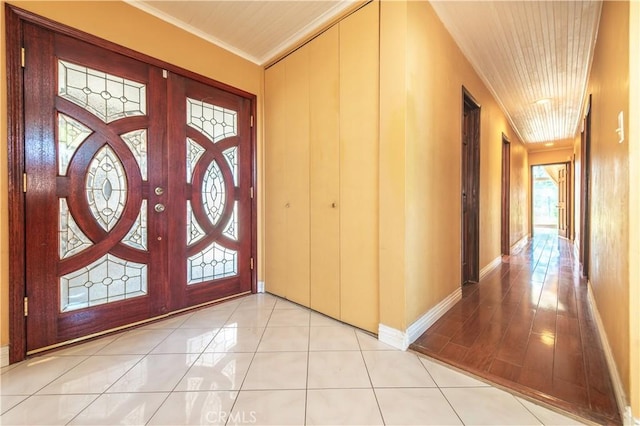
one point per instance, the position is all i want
(137, 143)
(71, 133)
(71, 239)
(215, 122)
(106, 188)
(194, 152)
(231, 155)
(231, 230)
(214, 262)
(137, 235)
(213, 193)
(107, 96)
(106, 280)
(194, 230)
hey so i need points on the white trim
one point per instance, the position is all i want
(618, 388)
(393, 337)
(519, 245)
(576, 249)
(421, 325)
(290, 42)
(4, 356)
(402, 340)
(490, 267)
(260, 287)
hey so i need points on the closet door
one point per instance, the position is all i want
(359, 106)
(287, 178)
(324, 172)
(297, 172)
(276, 181)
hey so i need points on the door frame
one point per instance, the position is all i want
(470, 104)
(569, 191)
(14, 19)
(505, 222)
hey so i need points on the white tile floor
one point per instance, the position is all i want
(254, 360)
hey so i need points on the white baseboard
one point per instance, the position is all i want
(260, 287)
(490, 267)
(519, 244)
(4, 356)
(618, 388)
(402, 340)
(393, 337)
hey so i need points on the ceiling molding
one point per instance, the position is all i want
(192, 30)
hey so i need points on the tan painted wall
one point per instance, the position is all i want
(123, 24)
(420, 151)
(519, 226)
(634, 209)
(549, 157)
(609, 263)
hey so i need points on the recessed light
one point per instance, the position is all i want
(543, 101)
(548, 144)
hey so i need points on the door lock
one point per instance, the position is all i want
(159, 207)
(159, 190)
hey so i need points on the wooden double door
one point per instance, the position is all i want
(138, 187)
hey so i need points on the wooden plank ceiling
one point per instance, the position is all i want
(533, 55)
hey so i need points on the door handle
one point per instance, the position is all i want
(159, 190)
(159, 208)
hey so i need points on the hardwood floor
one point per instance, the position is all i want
(527, 326)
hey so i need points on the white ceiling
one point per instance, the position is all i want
(524, 51)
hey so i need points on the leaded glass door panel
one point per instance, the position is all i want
(213, 239)
(94, 137)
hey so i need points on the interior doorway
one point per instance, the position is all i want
(550, 192)
(470, 189)
(505, 235)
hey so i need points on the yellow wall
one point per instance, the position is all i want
(420, 152)
(609, 261)
(519, 214)
(634, 208)
(125, 25)
(551, 156)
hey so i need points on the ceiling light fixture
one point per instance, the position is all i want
(543, 101)
(548, 144)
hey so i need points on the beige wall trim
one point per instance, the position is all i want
(618, 389)
(402, 340)
(490, 267)
(260, 287)
(519, 245)
(4, 356)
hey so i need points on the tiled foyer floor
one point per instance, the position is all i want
(528, 326)
(254, 360)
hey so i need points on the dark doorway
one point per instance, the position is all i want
(470, 189)
(506, 196)
(585, 193)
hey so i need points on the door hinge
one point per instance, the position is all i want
(251, 263)
(24, 182)
(164, 74)
(22, 54)
(251, 192)
(252, 121)
(26, 306)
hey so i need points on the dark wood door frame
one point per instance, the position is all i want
(505, 236)
(470, 188)
(15, 19)
(585, 191)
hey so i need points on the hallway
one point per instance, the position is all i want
(527, 326)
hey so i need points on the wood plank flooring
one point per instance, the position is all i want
(528, 326)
